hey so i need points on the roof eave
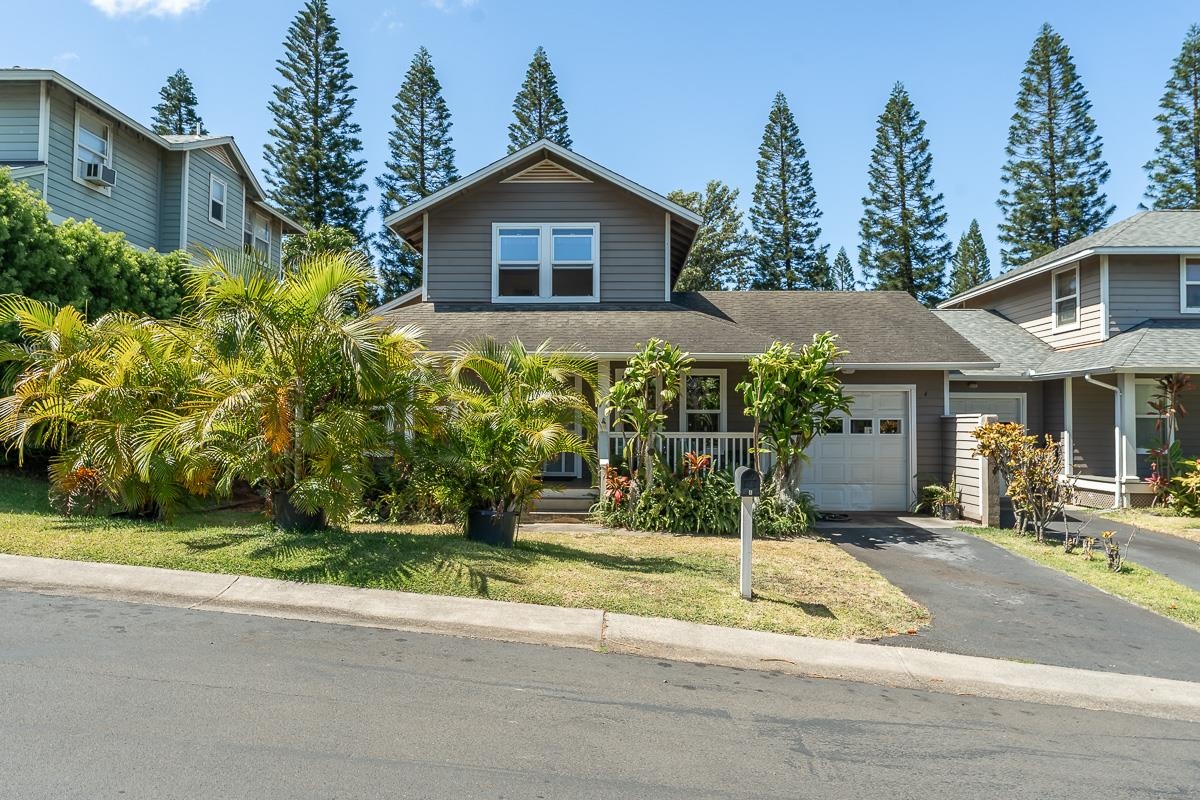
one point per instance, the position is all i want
(287, 221)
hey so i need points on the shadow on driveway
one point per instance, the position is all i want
(986, 601)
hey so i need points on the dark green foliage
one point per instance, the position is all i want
(776, 517)
(784, 214)
(841, 274)
(312, 159)
(970, 265)
(31, 258)
(115, 276)
(326, 239)
(177, 112)
(1055, 168)
(539, 111)
(719, 253)
(420, 161)
(1174, 172)
(822, 274)
(677, 503)
(904, 245)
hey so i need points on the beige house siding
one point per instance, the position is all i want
(1143, 287)
(1028, 303)
(632, 237)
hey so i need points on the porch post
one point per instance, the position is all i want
(1128, 424)
(1068, 434)
(602, 387)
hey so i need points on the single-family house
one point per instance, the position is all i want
(90, 161)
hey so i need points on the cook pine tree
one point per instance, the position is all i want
(718, 256)
(420, 162)
(841, 272)
(784, 217)
(313, 159)
(177, 112)
(1174, 172)
(970, 265)
(1055, 168)
(538, 110)
(903, 241)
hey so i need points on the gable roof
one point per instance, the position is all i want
(1157, 345)
(1016, 351)
(168, 142)
(1144, 232)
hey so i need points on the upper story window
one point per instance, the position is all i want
(1189, 286)
(256, 235)
(218, 190)
(545, 262)
(93, 145)
(1065, 299)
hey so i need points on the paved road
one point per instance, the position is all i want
(986, 601)
(111, 700)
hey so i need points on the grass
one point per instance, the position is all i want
(805, 586)
(1134, 583)
(1157, 519)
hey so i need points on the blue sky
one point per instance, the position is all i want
(669, 94)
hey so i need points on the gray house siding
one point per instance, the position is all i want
(200, 231)
(133, 205)
(1034, 403)
(632, 231)
(171, 194)
(19, 114)
(1143, 287)
(35, 182)
(1092, 428)
(1028, 302)
(1054, 421)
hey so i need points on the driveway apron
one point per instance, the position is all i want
(986, 601)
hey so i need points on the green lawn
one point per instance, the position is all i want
(1159, 520)
(1134, 583)
(805, 586)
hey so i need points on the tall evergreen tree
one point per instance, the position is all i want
(1174, 172)
(822, 275)
(841, 274)
(420, 161)
(721, 247)
(970, 265)
(539, 111)
(313, 164)
(177, 113)
(784, 214)
(1055, 167)
(904, 245)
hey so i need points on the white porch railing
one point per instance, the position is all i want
(729, 450)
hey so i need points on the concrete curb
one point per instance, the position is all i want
(593, 629)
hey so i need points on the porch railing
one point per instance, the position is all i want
(729, 450)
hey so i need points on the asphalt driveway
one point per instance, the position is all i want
(989, 602)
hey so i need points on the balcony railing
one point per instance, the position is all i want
(729, 450)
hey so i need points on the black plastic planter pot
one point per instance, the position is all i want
(487, 526)
(290, 518)
(950, 512)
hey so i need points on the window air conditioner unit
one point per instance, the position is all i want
(98, 174)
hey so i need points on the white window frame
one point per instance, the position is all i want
(252, 219)
(1184, 308)
(1142, 413)
(82, 113)
(213, 180)
(1055, 299)
(684, 411)
(545, 265)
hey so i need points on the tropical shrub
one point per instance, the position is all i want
(115, 276)
(1034, 472)
(1166, 455)
(1184, 488)
(777, 518)
(1005, 445)
(694, 499)
(31, 258)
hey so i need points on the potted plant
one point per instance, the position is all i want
(941, 500)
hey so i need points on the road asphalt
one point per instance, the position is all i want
(108, 699)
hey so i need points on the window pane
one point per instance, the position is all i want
(518, 282)
(571, 244)
(1193, 295)
(572, 282)
(218, 192)
(1147, 434)
(519, 244)
(96, 141)
(217, 211)
(1193, 271)
(1065, 282)
(704, 392)
(703, 422)
(861, 426)
(1143, 394)
(835, 425)
(262, 229)
(889, 426)
(1066, 313)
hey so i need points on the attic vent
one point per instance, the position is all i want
(546, 171)
(220, 155)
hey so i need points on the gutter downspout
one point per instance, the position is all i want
(1118, 450)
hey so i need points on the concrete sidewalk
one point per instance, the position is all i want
(600, 630)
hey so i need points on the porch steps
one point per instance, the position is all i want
(568, 504)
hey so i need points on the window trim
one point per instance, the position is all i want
(545, 265)
(723, 411)
(81, 112)
(1184, 308)
(1055, 327)
(252, 218)
(213, 180)
(1138, 413)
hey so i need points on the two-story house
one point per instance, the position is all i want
(546, 245)
(91, 161)
(1081, 336)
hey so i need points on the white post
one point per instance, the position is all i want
(747, 537)
(602, 387)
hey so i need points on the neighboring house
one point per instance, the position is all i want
(1080, 336)
(545, 245)
(91, 161)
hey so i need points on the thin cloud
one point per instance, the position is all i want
(388, 21)
(154, 8)
(450, 6)
(64, 59)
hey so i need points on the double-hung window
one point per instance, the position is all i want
(257, 234)
(703, 403)
(545, 262)
(218, 190)
(1065, 299)
(93, 145)
(1148, 423)
(1189, 285)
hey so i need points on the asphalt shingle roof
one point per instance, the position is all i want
(1016, 351)
(1160, 345)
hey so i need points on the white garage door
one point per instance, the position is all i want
(862, 465)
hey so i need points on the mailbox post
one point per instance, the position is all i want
(749, 486)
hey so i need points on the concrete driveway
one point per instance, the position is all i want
(989, 602)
